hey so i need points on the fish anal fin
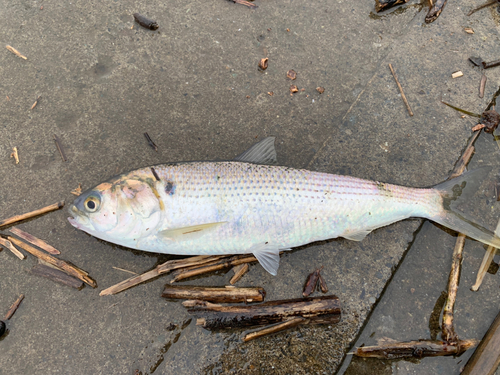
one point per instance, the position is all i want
(268, 256)
(356, 236)
(190, 232)
(262, 152)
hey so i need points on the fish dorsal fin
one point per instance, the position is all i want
(189, 233)
(260, 153)
(356, 236)
(268, 256)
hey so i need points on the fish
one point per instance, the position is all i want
(252, 205)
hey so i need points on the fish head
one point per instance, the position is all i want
(121, 211)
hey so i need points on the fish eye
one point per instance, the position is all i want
(92, 203)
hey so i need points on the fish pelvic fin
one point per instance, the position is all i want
(268, 256)
(461, 189)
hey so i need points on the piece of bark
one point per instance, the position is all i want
(448, 330)
(59, 263)
(35, 241)
(322, 284)
(311, 282)
(435, 10)
(263, 63)
(224, 263)
(7, 244)
(239, 271)
(381, 5)
(14, 307)
(403, 96)
(56, 275)
(491, 64)
(486, 358)
(415, 349)
(483, 268)
(159, 270)
(316, 310)
(228, 294)
(482, 86)
(41, 211)
(274, 328)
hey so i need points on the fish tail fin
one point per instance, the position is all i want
(461, 189)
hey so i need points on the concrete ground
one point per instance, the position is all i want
(194, 86)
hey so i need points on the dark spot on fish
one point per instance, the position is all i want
(169, 188)
(155, 174)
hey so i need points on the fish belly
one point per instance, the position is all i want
(282, 206)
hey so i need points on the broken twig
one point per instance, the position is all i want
(416, 349)
(28, 215)
(36, 102)
(486, 357)
(59, 147)
(316, 310)
(35, 241)
(16, 52)
(243, 2)
(381, 5)
(7, 244)
(487, 4)
(401, 90)
(228, 294)
(14, 307)
(59, 263)
(239, 271)
(491, 64)
(273, 329)
(482, 86)
(150, 142)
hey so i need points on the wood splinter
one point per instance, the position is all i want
(228, 294)
(16, 52)
(273, 329)
(15, 155)
(36, 102)
(59, 263)
(381, 5)
(401, 90)
(35, 241)
(239, 271)
(8, 245)
(28, 215)
(14, 307)
(316, 310)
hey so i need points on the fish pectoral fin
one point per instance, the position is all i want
(189, 233)
(260, 153)
(357, 236)
(268, 257)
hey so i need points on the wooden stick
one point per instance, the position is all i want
(40, 211)
(59, 263)
(36, 102)
(273, 329)
(228, 294)
(317, 310)
(221, 265)
(11, 247)
(239, 271)
(401, 90)
(381, 5)
(416, 349)
(486, 358)
(485, 264)
(35, 241)
(448, 330)
(243, 2)
(16, 52)
(486, 4)
(465, 158)
(59, 147)
(159, 270)
(491, 64)
(151, 144)
(56, 275)
(435, 10)
(14, 307)
(482, 85)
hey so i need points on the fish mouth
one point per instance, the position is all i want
(74, 212)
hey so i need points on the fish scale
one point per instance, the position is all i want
(248, 205)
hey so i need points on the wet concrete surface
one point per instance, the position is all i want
(194, 86)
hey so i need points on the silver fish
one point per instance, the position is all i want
(250, 205)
